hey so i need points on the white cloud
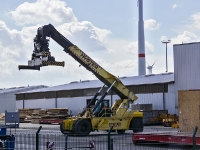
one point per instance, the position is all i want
(3, 70)
(13, 48)
(119, 68)
(43, 12)
(149, 48)
(124, 67)
(185, 37)
(163, 38)
(174, 6)
(83, 34)
(133, 47)
(151, 24)
(8, 36)
(86, 35)
(196, 18)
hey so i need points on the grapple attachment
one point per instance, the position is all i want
(41, 55)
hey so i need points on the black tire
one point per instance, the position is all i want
(64, 131)
(111, 131)
(1, 145)
(164, 124)
(61, 129)
(82, 127)
(136, 124)
(120, 131)
(168, 124)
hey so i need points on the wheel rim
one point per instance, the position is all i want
(83, 128)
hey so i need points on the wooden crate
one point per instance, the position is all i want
(189, 110)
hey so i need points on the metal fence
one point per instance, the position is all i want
(91, 142)
(95, 141)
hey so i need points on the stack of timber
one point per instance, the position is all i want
(37, 115)
(2, 118)
(26, 114)
(56, 114)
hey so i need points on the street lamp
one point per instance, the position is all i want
(166, 42)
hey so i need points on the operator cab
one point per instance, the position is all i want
(103, 110)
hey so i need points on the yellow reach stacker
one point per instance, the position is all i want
(99, 117)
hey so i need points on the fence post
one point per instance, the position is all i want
(37, 138)
(194, 138)
(66, 140)
(109, 144)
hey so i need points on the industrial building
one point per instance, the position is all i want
(8, 98)
(160, 90)
(186, 64)
(150, 89)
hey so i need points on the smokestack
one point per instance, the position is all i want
(141, 41)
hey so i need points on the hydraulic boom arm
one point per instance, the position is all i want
(41, 57)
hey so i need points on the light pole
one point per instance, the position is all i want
(166, 42)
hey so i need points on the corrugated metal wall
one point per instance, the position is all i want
(170, 102)
(186, 68)
(156, 99)
(137, 89)
(40, 103)
(7, 102)
(76, 99)
(8, 99)
(19, 104)
(73, 103)
(76, 103)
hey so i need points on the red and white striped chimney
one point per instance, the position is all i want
(141, 41)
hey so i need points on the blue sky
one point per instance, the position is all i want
(106, 30)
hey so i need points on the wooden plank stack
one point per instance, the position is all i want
(2, 118)
(56, 113)
(34, 115)
(25, 114)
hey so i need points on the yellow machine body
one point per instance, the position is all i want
(119, 119)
